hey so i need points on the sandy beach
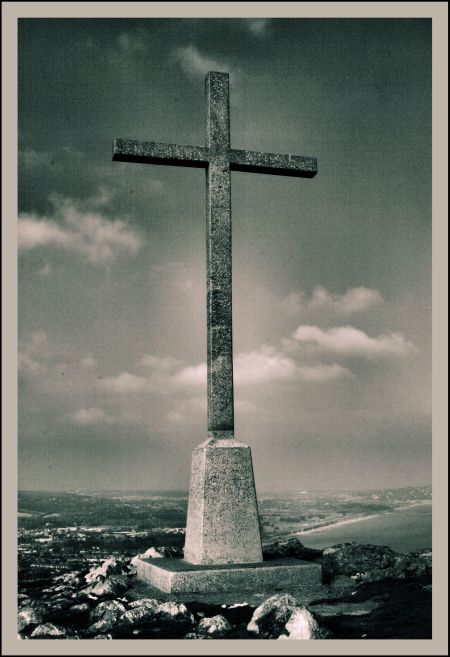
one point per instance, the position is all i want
(347, 521)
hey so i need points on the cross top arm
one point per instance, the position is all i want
(150, 152)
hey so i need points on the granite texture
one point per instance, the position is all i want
(177, 576)
(219, 159)
(222, 520)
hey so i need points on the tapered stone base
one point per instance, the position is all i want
(179, 576)
(222, 522)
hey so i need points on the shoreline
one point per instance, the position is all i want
(348, 521)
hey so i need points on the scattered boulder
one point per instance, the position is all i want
(80, 609)
(109, 567)
(111, 587)
(269, 619)
(28, 616)
(302, 625)
(169, 552)
(290, 548)
(214, 627)
(281, 615)
(109, 610)
(148, 611)
(140, 610)
(48, 631)
(103, 636)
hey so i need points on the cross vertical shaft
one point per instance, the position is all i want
(218, 254)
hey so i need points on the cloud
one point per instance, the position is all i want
(124, 383)
(93, 415)
(188, 409)
(257, 26)
(86, 233)
(88, 363)
(28, 365)
(194, 63)
(323, 372)
(30, 355)
(263, 366)
(348, 340)
(192, 376)
(160, 364)
(267, 365)
(354, 300)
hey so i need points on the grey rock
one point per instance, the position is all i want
(269, 619)
(302, 626)
(109, 610)
(215, 627)
(28, 616)
(111, 587)
(290, 548)
(48, 630)
(352, 559)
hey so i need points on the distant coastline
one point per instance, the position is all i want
(347, 521)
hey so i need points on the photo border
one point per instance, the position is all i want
(438, 12)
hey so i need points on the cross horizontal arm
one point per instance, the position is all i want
(152, 152)
(282, 165)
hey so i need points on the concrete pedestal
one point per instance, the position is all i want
(222, 521)
(179, 576)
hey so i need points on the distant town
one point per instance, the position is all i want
(60, 532)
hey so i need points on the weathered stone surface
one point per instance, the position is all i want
(48, 631)
(353, 559)
(292, 548)
(216, 626)
(173, 576)
(152, 152)
(272, 163)
(222, 523)
(302, 626)
(28, 616)
(219, 159)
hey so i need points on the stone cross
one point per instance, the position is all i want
(222, 522)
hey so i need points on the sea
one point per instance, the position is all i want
(403, 530)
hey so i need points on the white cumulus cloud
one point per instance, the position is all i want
(93, 415)
(262, 366)
(85, 232)
(160, 364)
(348, 340)
(193, 62)
(124, 383)
(354, 300)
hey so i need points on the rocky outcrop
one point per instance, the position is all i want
(371, 563)
(290, 548)
(367, 585)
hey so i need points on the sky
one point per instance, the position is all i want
(331, 275)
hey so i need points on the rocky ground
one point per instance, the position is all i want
(368, 592)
